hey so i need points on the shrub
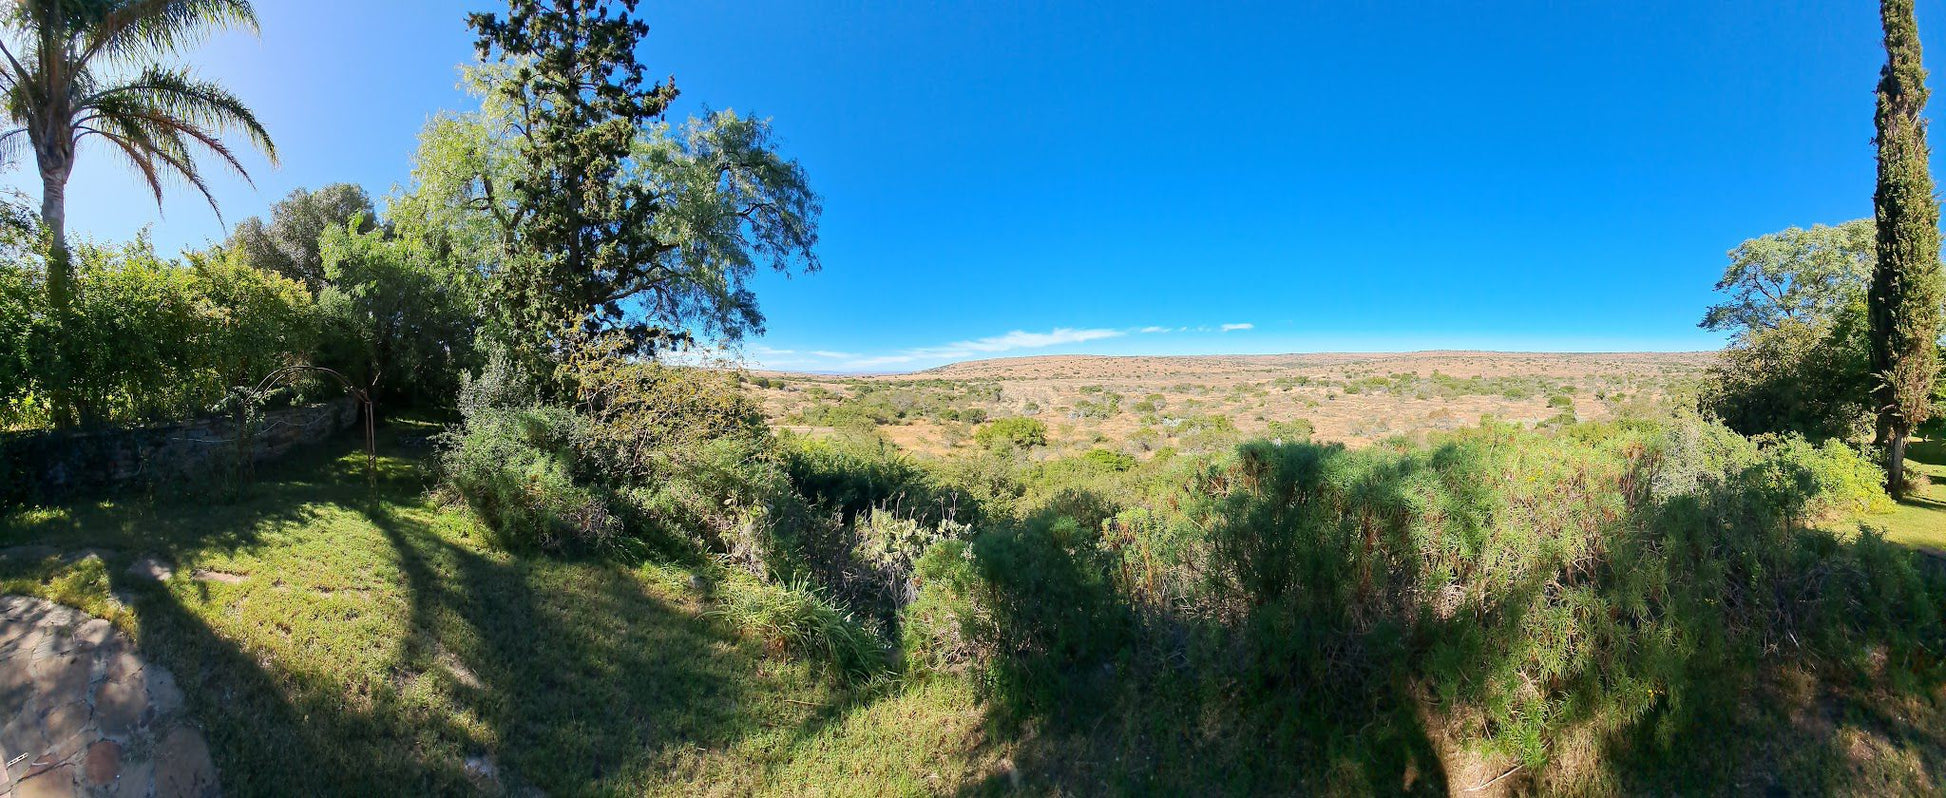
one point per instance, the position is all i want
(1033, 602)
(1810, 379)
(148, 339)
(1015, 434)
(517, 470)
(669, 458)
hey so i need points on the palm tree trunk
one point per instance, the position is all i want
(68, 408)
(54, 216)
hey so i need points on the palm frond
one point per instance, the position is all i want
(143, 29)
(180, 95)
(155, 151)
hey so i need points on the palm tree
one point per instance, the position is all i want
(79, 68)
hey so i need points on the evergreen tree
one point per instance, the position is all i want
(1904, 300)
(578, 234)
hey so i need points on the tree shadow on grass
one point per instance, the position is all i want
(579, 678)
(408, 661)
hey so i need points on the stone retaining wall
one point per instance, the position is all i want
(50, 465)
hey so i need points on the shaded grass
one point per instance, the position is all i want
(375, 644)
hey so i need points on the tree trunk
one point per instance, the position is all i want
(54, 217)
(1895, 464)
(67, 409)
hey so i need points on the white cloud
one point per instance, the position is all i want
(944, 353)
(972, 348)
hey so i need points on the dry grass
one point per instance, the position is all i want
(1443, 390)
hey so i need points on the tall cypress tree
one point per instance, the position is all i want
(1906, 291)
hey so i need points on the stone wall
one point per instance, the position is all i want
(41, 466)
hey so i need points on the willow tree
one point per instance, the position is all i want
(1904, 300)
(76, 69)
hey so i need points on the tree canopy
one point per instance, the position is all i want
(605, 218)
(1809, 276)
(288, 244)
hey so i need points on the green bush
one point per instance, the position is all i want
(517, 470)
(1610, 585)
(648, 455)
(1032, 604)
(1017, 433)
(148, 339)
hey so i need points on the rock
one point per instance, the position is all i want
(120, 705)
(102, 764)
(182, 764)
(28, 553)
(151, 569)
(482, 769)
(137, 779)
(82, 554)
(164, 698)
(208, 575)
(66, 728)
(84, 715)
(61, 678)
(54, 782)
(94, 632)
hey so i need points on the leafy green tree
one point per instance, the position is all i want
(1798, 359)
(1904, 300)
(1810, 276)
(606, 219)
(73, 69)
(400, 319)
(288, 243)
(1812, 378)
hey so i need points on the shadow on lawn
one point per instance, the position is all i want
(579, 676)
(510, 671)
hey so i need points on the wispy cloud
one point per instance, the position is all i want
(990, 346)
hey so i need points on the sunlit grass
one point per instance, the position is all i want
(351, 640)
(1920, 520)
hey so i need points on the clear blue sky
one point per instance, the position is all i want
(1008, 178)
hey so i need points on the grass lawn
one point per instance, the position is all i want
(1920, 520)
(355, 640)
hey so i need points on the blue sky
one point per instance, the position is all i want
(1012, 178)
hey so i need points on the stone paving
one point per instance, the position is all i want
(85, 716)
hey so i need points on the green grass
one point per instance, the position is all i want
(1920, 520)
(375, 644)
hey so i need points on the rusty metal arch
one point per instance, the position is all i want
(364, 398)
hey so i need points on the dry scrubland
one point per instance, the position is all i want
(1141, 404)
